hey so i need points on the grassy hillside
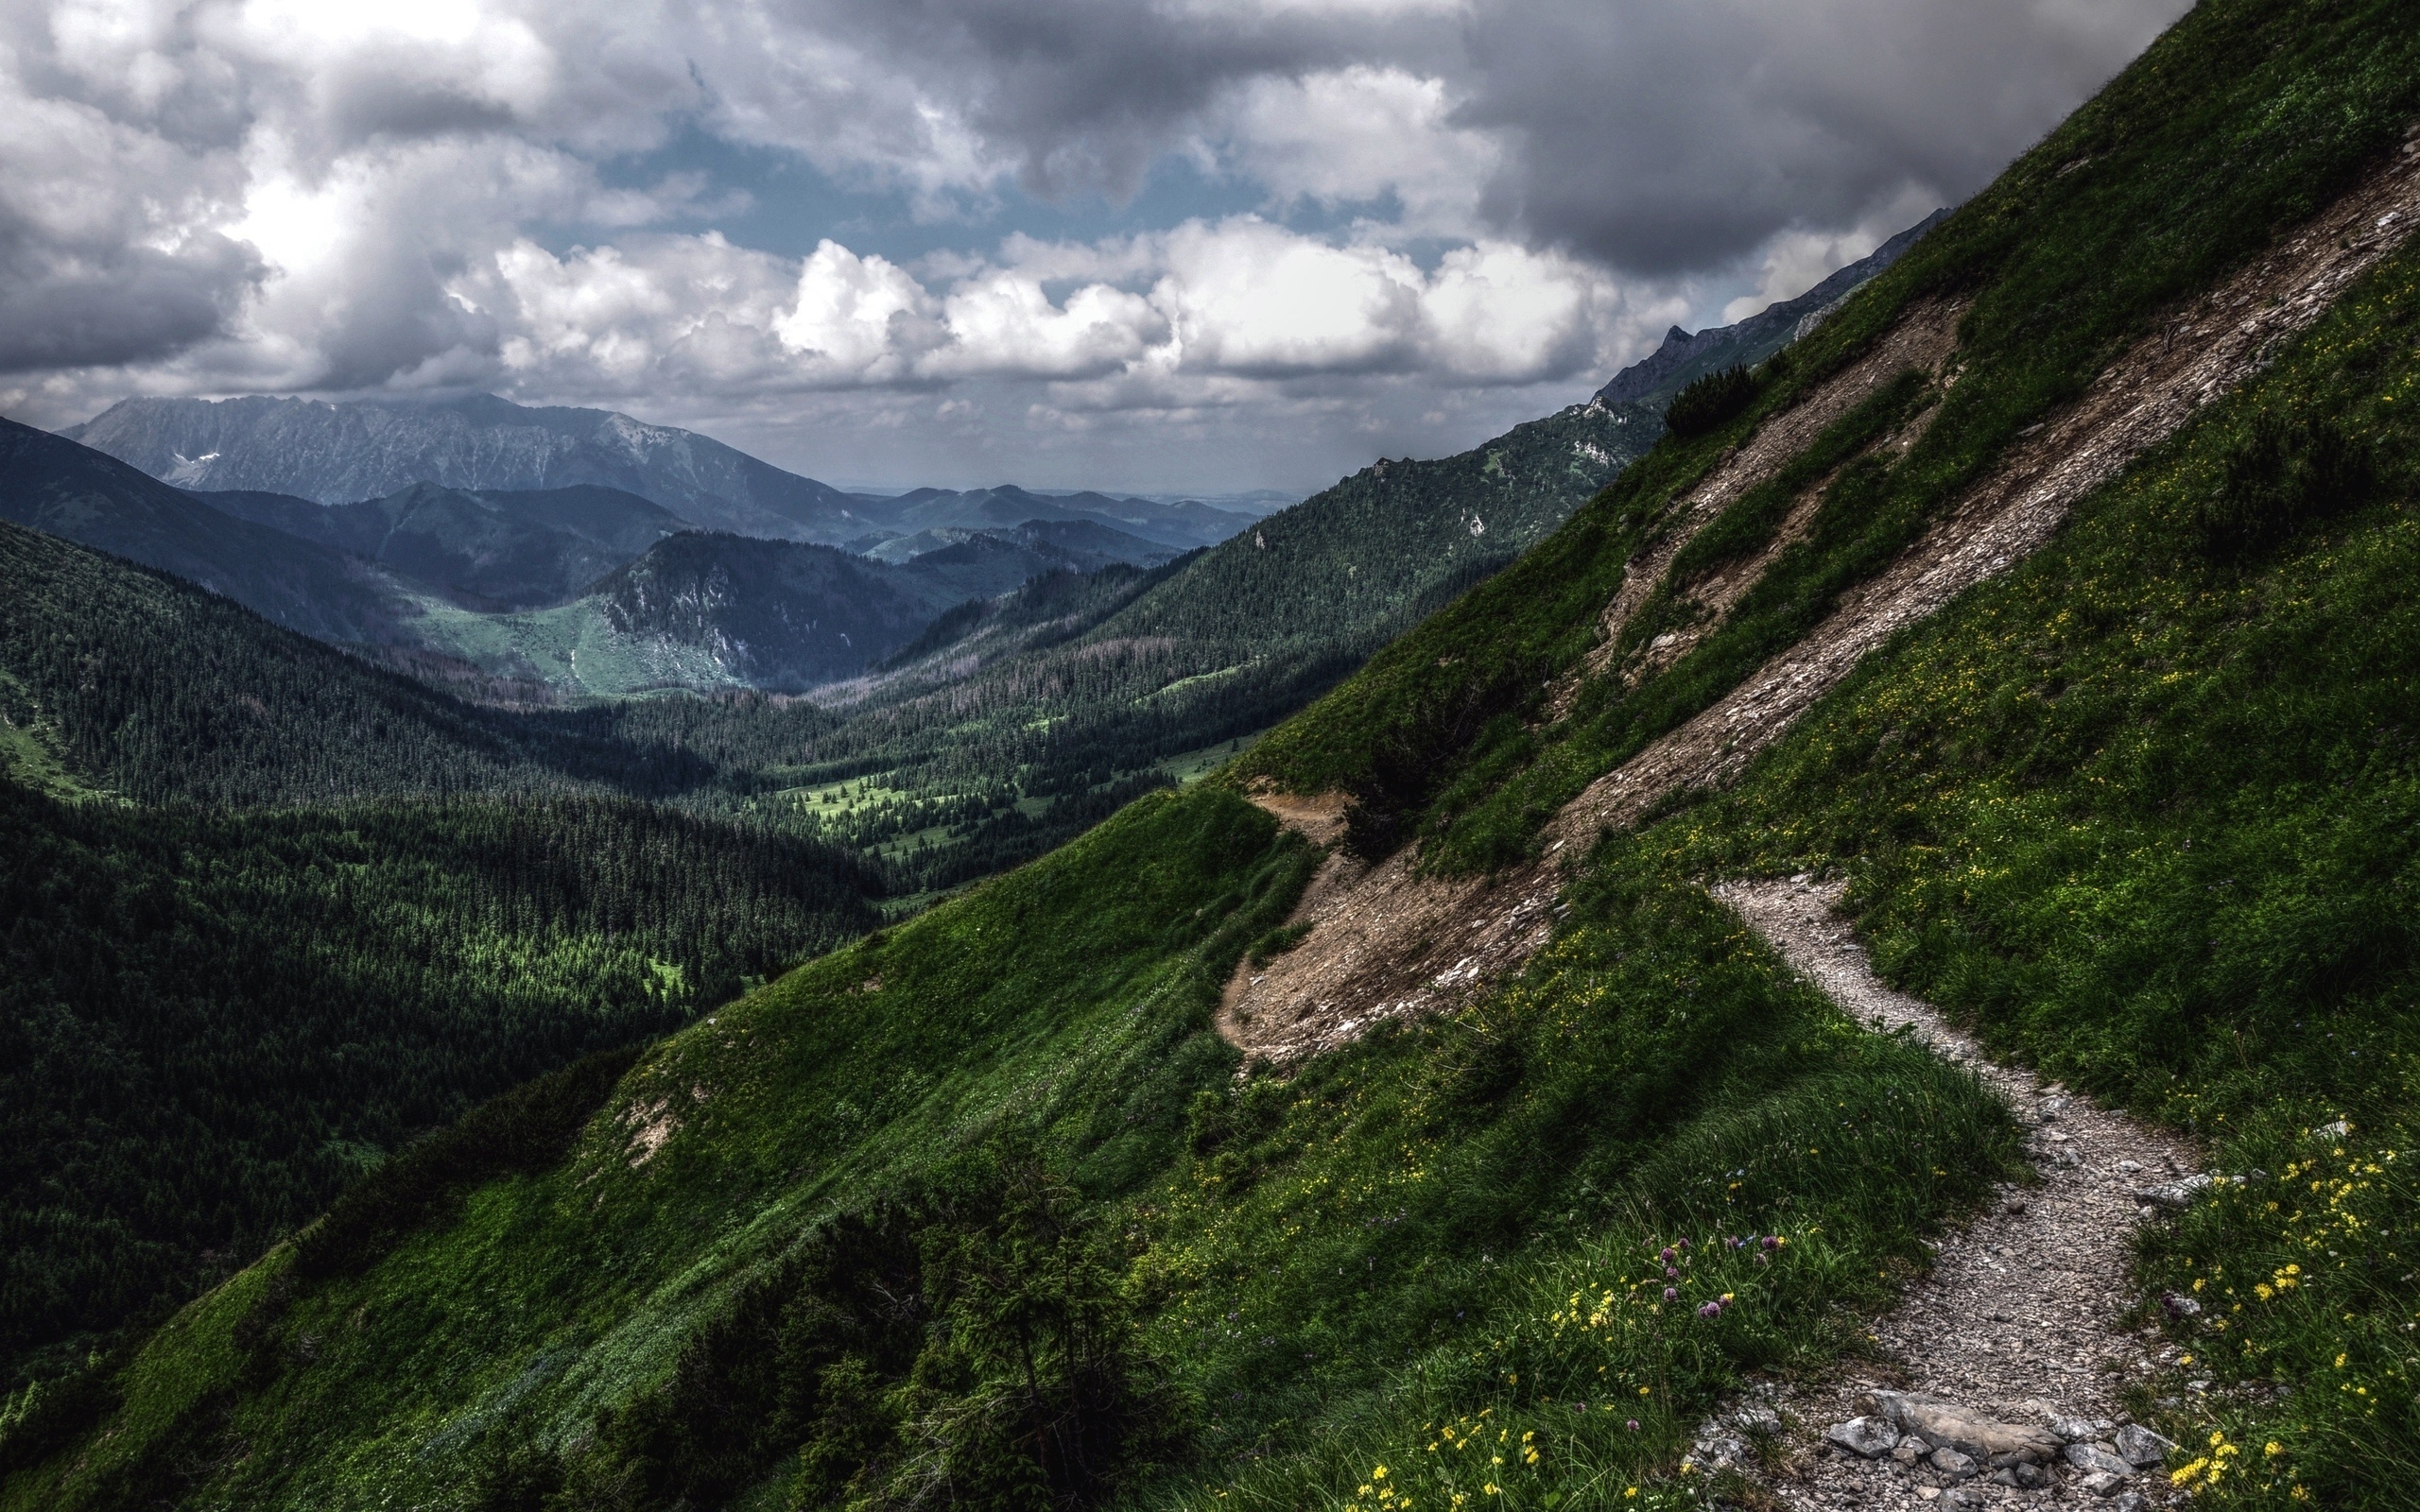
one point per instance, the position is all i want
(980, 1212)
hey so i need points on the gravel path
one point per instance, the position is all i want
(2019, 1321)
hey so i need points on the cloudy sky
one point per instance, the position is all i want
(1144, 244)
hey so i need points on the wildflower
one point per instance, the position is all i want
(1667, 1257)
(2273, 1448)
(1629, 1492)
(1710, 1309)
(1671, 1293)
(1378, 1474)
(1632, 1425)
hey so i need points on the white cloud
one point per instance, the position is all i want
(224, 195)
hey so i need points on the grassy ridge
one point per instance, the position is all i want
(2240, 121)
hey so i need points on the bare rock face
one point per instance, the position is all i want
(1947, 1425)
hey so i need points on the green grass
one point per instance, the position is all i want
(1387, 1223)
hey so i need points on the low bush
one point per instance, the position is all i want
(1710, 402)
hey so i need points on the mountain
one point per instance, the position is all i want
(489, 550)
(57, 485)
(706, 611)
(1490, 1155)
(341, 453)
(1655, 378)
(1001, 722)
(133, 682)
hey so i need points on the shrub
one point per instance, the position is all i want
(1707, 403)
(2278, 480)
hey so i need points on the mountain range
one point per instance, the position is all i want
(344, 452)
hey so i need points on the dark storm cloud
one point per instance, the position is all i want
(65, 306)
(1665, 138)
(1084, 94)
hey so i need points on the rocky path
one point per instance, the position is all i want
(2013, 1348)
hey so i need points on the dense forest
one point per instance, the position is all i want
(209, 1022)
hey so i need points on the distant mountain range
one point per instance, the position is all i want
(55, 486)
(1684, 358)
(339, 453)
(588, 552)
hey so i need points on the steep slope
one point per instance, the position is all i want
(498, 550)
(1685, 358)
(71, 490)
(983, 1211)
(336, 454)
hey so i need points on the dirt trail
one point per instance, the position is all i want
(1390, 942)
(2019, 1321)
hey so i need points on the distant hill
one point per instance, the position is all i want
(1084, 545)
(53, 484)
(1655, 378)
(503, 550)
(340, 453)
(1182, 525)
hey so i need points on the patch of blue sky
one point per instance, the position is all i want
(772, 200)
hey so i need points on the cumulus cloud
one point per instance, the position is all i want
(1459, 198)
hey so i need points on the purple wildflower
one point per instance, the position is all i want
(1671, 1293)
(1710, 1309)
(1632, 1425)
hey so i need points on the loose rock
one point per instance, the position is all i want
(1952, 1463)
(2141, 1447)
(1868, 1438)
